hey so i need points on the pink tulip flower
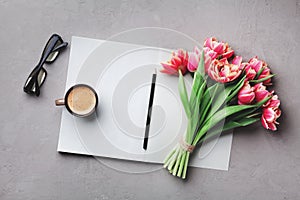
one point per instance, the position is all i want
(256, 65)
(269, 118)
(261, 92)
(250, 72)
(178, 62)
(215, 49)
(194, 59)
(271, 113)
(273, 102)
(246, 94)
(223, 72)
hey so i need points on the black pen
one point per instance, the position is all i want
(147, 129)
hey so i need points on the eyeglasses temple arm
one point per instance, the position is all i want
(63, 45)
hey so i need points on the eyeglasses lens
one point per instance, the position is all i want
(30, 85)
(52, 56)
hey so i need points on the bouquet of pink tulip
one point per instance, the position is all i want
(226, 93)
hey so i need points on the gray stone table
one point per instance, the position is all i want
(262, 166)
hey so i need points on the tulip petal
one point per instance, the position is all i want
(247, 98)
(208, 43)
(264, 123)
(176, 60)
(228, 54)
(219, 48)
(197, 50)
(272, 126)
(167, 72)
(193, 62)
(269, 115)
(237, 60)
(169, 67)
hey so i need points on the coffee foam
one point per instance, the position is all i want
(81, 100)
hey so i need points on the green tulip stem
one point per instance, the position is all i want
(185, 165)
(182, 162)
(177, 162)
(173, 160)
(168, 158)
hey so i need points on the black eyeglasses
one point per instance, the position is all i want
(38, 75)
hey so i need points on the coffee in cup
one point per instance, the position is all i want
(80, 100)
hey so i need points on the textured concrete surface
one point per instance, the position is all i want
(263, 166)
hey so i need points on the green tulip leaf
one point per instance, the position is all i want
(200, 68)
(262, 79)
(207, 100)
(228, 126)
(198, 81)
(222, 114)
(183, 95)
(196, 108)
(259, 73)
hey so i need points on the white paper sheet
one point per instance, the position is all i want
(121, 74)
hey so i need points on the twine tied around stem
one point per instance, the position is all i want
(185, 146)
